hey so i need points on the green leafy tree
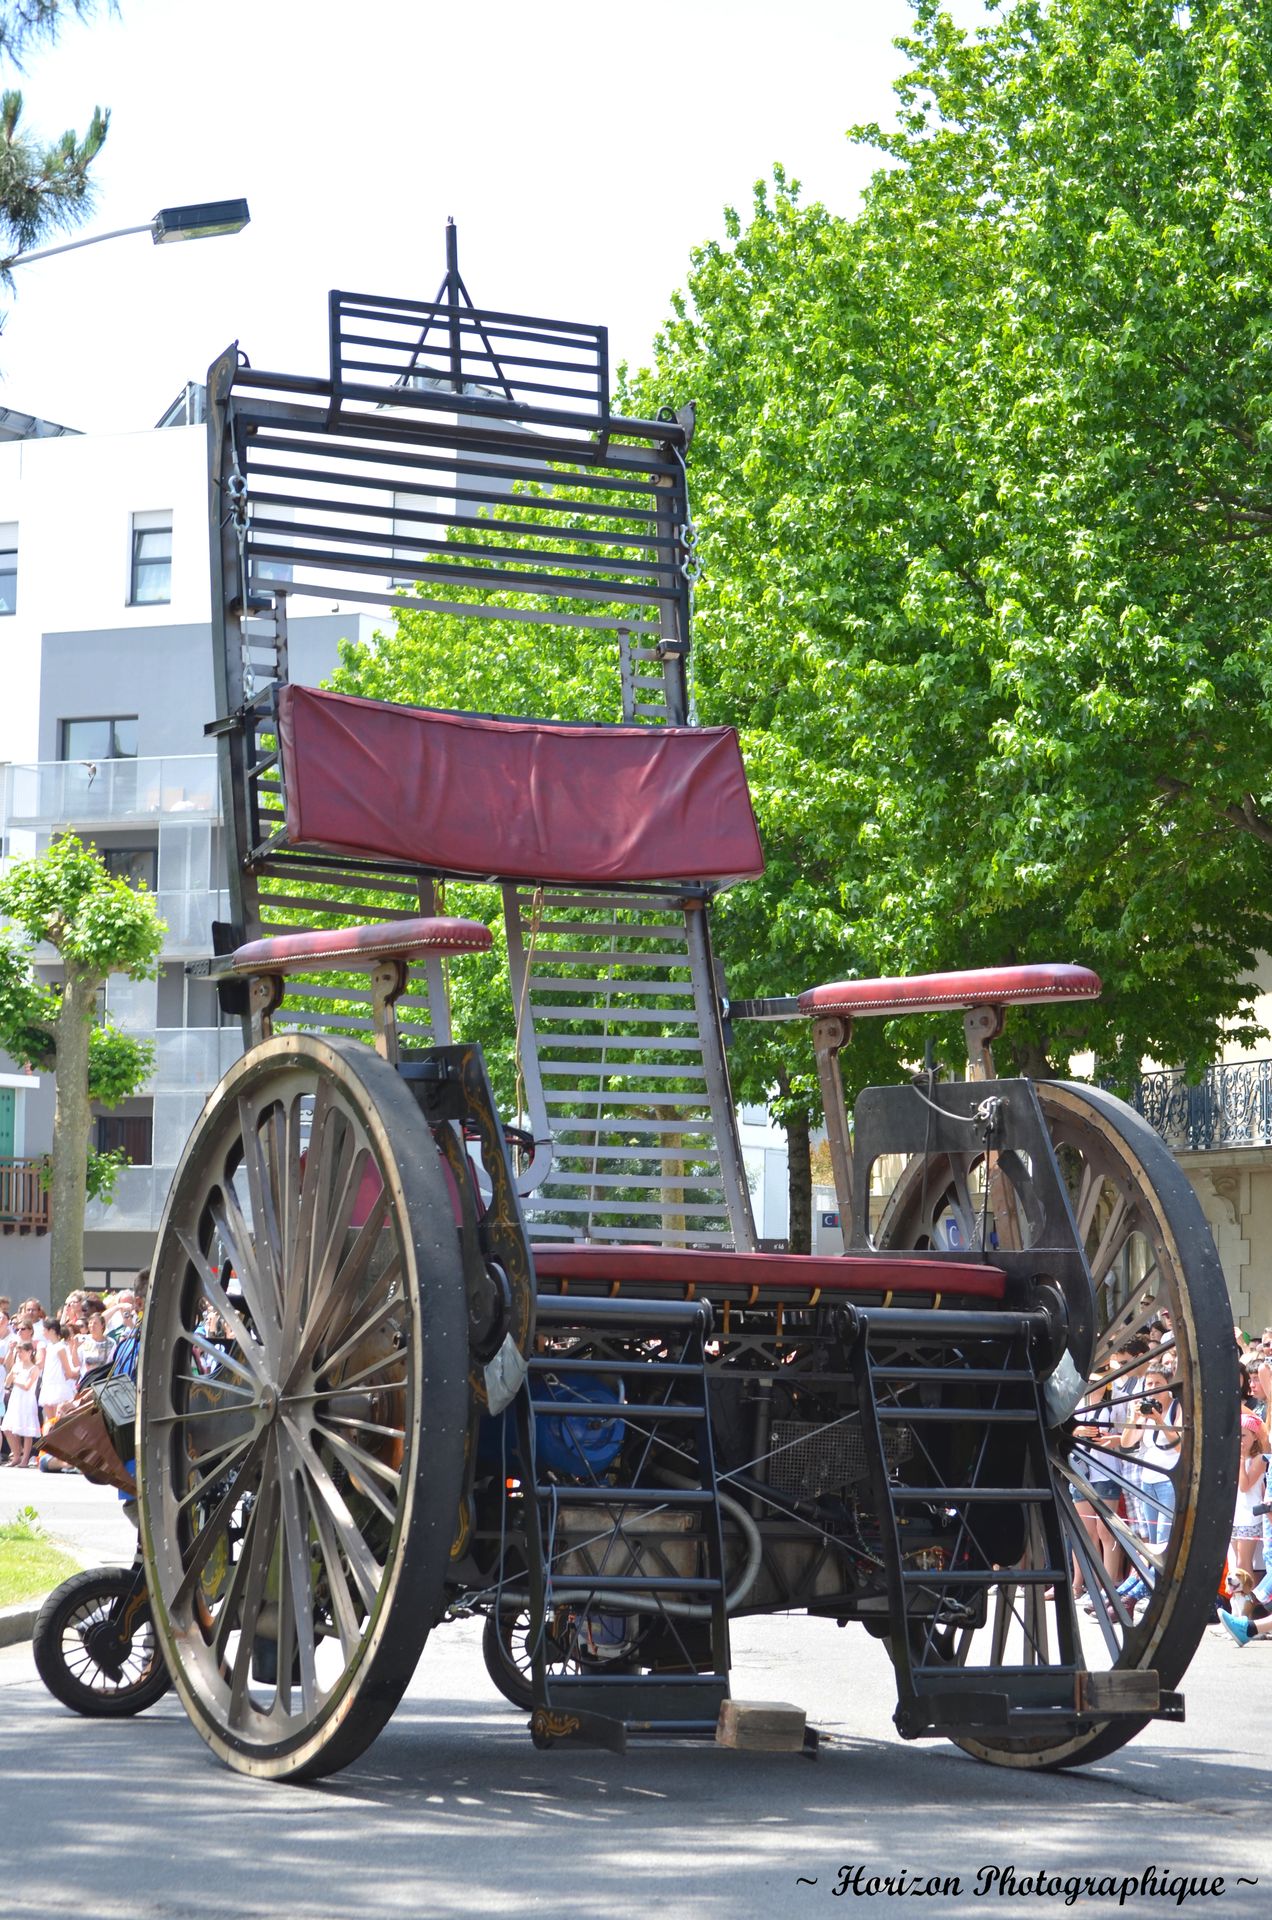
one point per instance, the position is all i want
(984, 491)
(44, 186)
(97, 925)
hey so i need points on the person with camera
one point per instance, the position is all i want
(1151, 1437)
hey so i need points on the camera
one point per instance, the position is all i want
(1148, 1406)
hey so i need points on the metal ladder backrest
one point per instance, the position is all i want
(468, 462)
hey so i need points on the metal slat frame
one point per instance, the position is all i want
(566, 1094)
(605, 543)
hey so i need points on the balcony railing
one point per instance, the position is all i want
(47, 794)
(1231, 1107)
(24, 1204)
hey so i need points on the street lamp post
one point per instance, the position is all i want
(199, 222)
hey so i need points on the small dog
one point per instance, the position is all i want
(1239, 1587)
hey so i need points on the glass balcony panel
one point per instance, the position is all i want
(133, 1208)
(189, 784)
(193, 1059)
(175, 1117)
(132, 1004)
(48, 794)
(185, 855)
(188, 918)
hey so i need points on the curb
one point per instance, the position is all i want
(18, 1623)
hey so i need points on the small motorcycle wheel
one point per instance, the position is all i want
(86, 1659)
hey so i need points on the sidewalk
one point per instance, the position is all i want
(88, 1521)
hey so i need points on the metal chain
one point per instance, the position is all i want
(240, 514)
(691, 572)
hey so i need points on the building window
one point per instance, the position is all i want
(150, 579)
(134, 1132)
(8, 567)
(136, 865)
(113, 737)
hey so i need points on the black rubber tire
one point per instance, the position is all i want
(498, 1643)
(70, 1673)
(298, 1508)
(1092, 1129)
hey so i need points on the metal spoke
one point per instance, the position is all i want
(347, 1620)
(365, 1568)
(1117, 1231)
(353, 1340)
(337, 1192)
(265, 1225)
(298, 1585)
(338, 1291)
(216, 1462)
(1133, 1318)
(220, 1299)
(360, 1462)
(1087, 1204)
(310, 1186)
(259, 1554)
(231, 1226)
(216, 1524)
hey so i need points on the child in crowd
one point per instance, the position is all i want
(22, 1414)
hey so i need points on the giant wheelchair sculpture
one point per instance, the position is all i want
(402, 1362)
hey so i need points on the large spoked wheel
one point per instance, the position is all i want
(303, 1407)
(1154, 1264)
(94, 1652)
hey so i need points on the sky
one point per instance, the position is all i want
(584, 148)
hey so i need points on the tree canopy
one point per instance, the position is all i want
(982, 477)
(982, 486)
(97, 925)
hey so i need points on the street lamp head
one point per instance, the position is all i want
(199, 222)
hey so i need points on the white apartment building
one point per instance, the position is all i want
(105, 641)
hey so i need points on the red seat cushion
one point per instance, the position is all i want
(636, 1266)
(345, 947)
(945, 992)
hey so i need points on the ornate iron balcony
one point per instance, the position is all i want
(1232, 1107)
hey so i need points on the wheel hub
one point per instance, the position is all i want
(107, 1648)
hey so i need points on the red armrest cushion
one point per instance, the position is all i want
(943, 992)
(346, 947)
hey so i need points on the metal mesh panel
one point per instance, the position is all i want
(808, 1458)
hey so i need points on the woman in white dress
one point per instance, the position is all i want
(60, 1377)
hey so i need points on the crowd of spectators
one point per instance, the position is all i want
(1248, 1615)
(43, 1359)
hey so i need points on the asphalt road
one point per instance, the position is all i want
(453, 1812)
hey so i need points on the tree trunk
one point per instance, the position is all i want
(799, 1164)
(72, 1121)
(1032, 1062)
